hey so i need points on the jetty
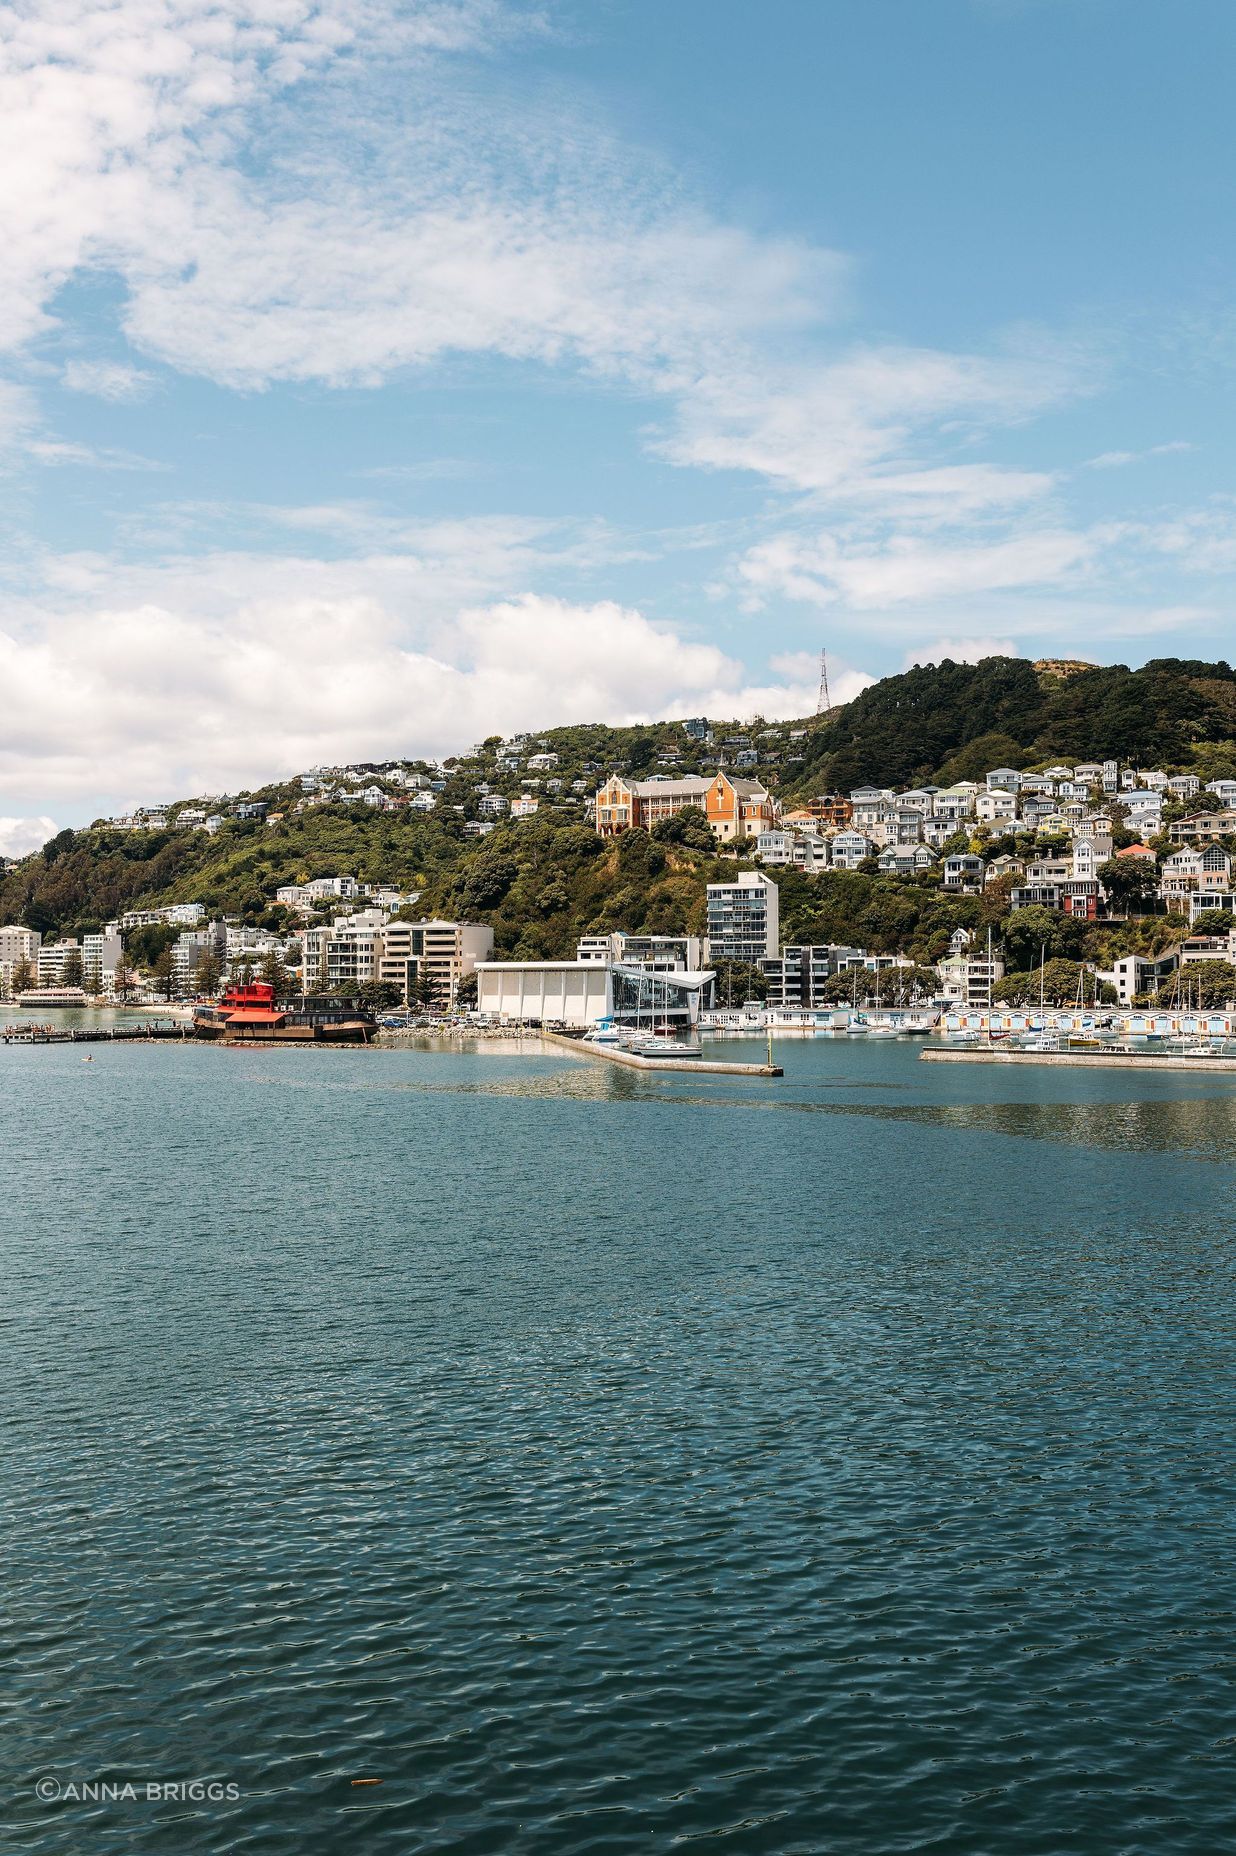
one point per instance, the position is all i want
(657, 1066)
(91, 1034)
(1094, 1059)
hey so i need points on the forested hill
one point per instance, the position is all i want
(955, 721)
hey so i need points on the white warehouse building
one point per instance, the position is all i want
(579, 993)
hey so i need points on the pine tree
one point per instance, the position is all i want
(209, 974)
(274, 973)
(165, 973)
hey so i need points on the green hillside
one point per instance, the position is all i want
(543, 881)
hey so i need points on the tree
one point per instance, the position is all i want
(1056, 983)
(487, 883)
(467, 991)
(1213, 921)
(1129, 880)
(71, 973)
(1210, 983)
(638, 855)
(690, 828)
(23, 978)
(737, 981)
(147, 943)
(379, 995)
(125, 979)
(1026, 932)
(165, 973)
(209, 975)
(274, 973)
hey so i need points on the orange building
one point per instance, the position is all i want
(831, 810)
(734, 808)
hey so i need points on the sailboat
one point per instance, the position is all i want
(1043, 1040)
(857, 1025)
(884, 1027)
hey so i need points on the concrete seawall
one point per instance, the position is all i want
(1082, 1059)
(689, 1066)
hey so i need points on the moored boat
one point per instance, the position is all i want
(249, 1015)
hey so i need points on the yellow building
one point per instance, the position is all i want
(734, 808)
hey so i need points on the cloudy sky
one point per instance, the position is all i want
(374, 376)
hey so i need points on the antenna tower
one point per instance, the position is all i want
(824, 702)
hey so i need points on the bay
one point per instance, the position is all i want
(613, 1463)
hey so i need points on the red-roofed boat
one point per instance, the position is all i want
(249, 1014)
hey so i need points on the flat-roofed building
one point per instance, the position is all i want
(744, 918)
(432, 956)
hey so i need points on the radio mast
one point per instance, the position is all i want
(824, 702)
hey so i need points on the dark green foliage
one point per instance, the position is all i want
(1212, 921)
(1057, 983)
(737, 981)
(1210, 983)
(487, 882)
(639, 856)
(1026, 932)
(901, 730)
(689, 827)
(145, 945)
(1129, 882)
(955, 721)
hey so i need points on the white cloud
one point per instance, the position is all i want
(56, 452)
(824, 569)
(390, 218)
(19, 417)
(830, 428)
(265, 667)
(109, 111)
(106, 380)
(20, 836)
(1116, 460)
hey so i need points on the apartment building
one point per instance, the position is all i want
(439, 952)
(798, 977)
(191, 950)
(744, 918)
(18, 946)
(967, 978)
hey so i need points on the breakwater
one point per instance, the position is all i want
(1079, 1059)
(630, 1061)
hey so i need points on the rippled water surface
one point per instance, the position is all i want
(609, 1463)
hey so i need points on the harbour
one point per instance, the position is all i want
(588, 1385)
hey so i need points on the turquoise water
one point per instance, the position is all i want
(609, 1463)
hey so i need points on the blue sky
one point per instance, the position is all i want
(373, 377)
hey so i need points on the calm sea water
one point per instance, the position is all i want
(616, 1464)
